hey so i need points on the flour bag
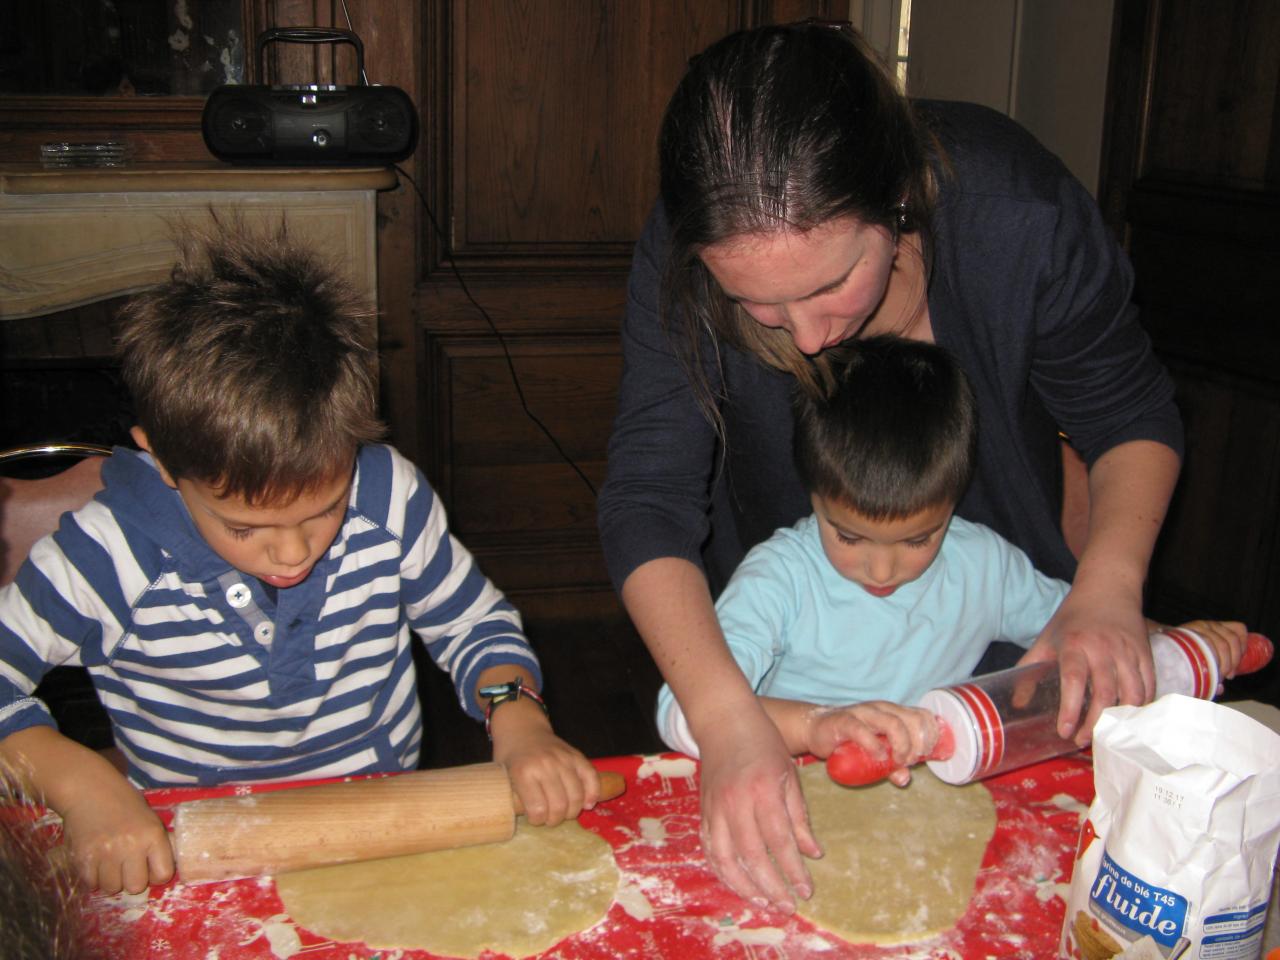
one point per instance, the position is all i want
(1175, 857)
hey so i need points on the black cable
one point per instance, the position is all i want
(444, 240)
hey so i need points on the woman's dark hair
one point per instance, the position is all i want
(897, 434)
(780, 127)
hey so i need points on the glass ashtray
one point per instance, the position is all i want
(105, 153)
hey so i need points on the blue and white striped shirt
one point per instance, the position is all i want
(207, 677)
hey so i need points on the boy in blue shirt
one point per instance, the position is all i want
(882, 593)
(246, 589)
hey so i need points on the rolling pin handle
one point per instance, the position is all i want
(851, 766)
(611, 785)
(1258, 652)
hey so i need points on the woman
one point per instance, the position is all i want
(804, 202)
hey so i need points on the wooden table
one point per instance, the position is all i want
(669, 904)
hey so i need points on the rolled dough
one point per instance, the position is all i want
(899, 864)
(518, 898)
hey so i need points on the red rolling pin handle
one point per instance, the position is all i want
(851, 766)
(1258, 652)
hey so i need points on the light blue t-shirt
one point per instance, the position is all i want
(801, 631)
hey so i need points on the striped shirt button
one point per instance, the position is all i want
(264, 632)
(238, 595)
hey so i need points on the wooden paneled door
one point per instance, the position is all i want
(1192, 179)
(539, 163)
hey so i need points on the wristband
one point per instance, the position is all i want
(499, 693)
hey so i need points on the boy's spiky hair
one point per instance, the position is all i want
(895, 435)
(253, 367)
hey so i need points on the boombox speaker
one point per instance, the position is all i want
(309, 124)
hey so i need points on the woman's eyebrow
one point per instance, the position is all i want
(825, 288)
(830, 286)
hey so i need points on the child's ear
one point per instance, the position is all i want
(140, 438)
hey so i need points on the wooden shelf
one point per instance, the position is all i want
(74, 236)
(211, 176)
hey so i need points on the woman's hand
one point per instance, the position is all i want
(1099, 638)
(1098, 635)
(881, 728)
(755, 827)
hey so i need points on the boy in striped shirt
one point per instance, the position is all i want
(245, 589)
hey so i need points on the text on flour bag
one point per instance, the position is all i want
(1176, 855)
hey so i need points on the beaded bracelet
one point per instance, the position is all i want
(499, 693)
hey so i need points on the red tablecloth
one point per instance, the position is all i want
(669, 904)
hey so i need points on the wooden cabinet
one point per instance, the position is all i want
(75, 236)
(1192, 180)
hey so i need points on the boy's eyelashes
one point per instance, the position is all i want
(243, 533)
(851, 540)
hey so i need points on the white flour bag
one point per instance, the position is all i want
(1176, 855)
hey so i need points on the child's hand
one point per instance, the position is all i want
(116, 841)
(1227, 638)
(911, 733)
(554, 781)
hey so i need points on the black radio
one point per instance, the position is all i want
(310, 124)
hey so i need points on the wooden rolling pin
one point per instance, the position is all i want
(292, 829)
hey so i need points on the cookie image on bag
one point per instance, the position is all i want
(1093, 942)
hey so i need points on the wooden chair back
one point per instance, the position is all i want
(29, 509)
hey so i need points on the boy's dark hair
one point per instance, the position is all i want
(253, 368)
(896, 434)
